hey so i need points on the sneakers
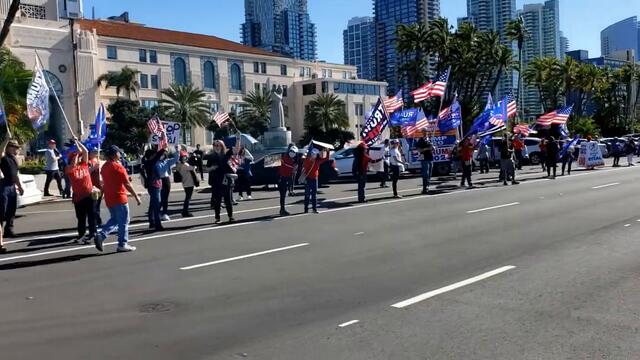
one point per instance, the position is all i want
(217, 221)
(98, 240)
(165, 217)
(231, 219)
(126, 248)
(249, 197)
(315, 211)
(397, 197)
(3, 250)
(240, 199)
(86, 239)
(514, 183)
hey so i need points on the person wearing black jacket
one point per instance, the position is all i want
(507, 168)
(219, 171)
(552, 157)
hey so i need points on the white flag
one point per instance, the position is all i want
(38, 99)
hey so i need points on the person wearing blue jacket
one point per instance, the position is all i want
(156, 164)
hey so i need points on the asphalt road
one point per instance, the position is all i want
(544, 270)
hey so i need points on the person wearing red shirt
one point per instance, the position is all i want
(94, 170)
(360, 168)
(518, 150)
(286, 172)
(311, 171)
(116, 184)
(78, 173)
(466, 156)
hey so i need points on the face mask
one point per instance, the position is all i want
(292, 154)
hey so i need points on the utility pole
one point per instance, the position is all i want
(11, 15)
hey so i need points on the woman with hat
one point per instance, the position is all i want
(77, 170)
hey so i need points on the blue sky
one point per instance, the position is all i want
(581, 20)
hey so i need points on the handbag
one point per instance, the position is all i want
(229, 179)
(177, 176)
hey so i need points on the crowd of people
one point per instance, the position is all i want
(229, 172)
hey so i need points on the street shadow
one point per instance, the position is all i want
(42, 232)
(52, 261)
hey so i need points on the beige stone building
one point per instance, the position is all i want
(225, 70)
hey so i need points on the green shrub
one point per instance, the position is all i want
(32, 167)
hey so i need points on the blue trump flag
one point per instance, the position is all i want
(566, 147)
(406, 117)
(98, 131)
(450, 118)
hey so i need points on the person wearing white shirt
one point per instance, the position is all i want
(396, 165)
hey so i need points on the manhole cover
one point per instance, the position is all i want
(157, 308)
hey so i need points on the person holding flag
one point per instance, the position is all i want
(360, 168)
(286, 171)
(311, 171)
(567, 155)
(77, 170)
(218, 168)
(507, 168)
(425, 148)
(466, 155)
(483, 154)
(552, 157)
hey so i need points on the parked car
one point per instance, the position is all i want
(344, 161)
(603, 148)
(32, 195)
(531, 155)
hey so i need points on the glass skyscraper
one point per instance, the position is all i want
(388, 14)
(281, 26)
(494, 15)
(543, 24)
(359, 40)
(623, 35)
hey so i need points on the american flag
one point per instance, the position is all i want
(156, 128)
(431, 89)
(410, 130)
(522, 129)
(557, 117)
(512, 105)
(220, 118)
(234, 163)
(394, 103)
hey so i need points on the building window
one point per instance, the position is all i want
(186, 130)
(143, 55)
(325, 87)
(236, 77)
(209, 75)
(344, 75)
(34, 11)
(256, 67)
(302, 71)
(324, 73)
(309, 89)
(283, 70)
(154, 81)
(180, 71)
(112, 52)
(263, 68)
(153, 57)
(284, 91)
(329, 73)
(144, 81)
(256, 87)
(359, 109)
(149, 104)
(307, 71)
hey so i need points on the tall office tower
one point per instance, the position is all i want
(623, 35)
(494, 15)
(388, 14)
(359, 46)
(564, 46)
(543, 24)
(281, 26)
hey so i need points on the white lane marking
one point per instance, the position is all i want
(638, 220)
(349, 323)
(76, 248)
(492, 208)
(44, 212)
(197, 266)
(451, 287)
(359, 233)
(605, 185)
(627, 225)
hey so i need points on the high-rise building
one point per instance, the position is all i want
(623, 35)
(564, 46)
(543, 24)
(46, 9)
(494, 15)
(359, 46)
(388, 14)
(281, 26)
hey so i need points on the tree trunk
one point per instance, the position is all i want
(520, 106)
(11, 15)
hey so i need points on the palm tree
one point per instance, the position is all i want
(516, 30)
(586, 77)
(504, 58)
(327, 112)
(14, 83)
(439, 37)
(413, 46)
(186, 105)
(126, 79)
(569, 71)
(257, 115)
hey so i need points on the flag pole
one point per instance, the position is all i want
(39, 63)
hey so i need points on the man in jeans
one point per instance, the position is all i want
(51, 168)
(8, 185)
(116, 184)
(425, 148)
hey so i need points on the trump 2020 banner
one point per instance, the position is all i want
(38, 99)
(375, 124)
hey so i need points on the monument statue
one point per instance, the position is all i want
(277, 110)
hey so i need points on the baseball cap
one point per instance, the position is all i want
(51, 141)
(13, 143)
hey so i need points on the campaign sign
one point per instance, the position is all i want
(442, 147)
(590, 155)
(172, 129)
